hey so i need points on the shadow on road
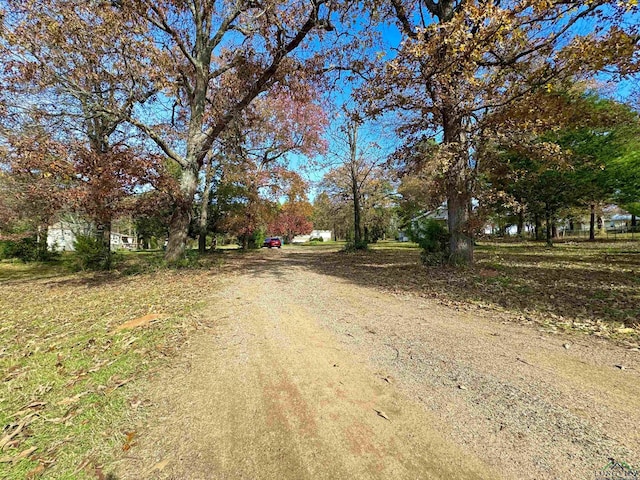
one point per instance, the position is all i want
(569, 283)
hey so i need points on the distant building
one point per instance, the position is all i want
(403, 236)
(611, 218)
(61, 236)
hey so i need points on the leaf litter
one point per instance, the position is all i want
(62, 368)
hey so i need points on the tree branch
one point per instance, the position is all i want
(263, 80)
(162, 24)
(401, 15)
(164, 146)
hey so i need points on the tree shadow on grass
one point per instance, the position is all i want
(590, 282)
(568, 286)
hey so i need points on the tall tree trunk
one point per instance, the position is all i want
(458, 195)
(103, 236)
(592, 223)
(204, 209)
(554, 230)
(202, 237)
(181, 217)
(548, 223)
(520, 222)
(537, 226)
(41, 242)
(357, 229)
(251, 224)
(634, 220)
(197, 148)
(460, 242)
(352, 132)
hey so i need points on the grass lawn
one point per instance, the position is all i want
(67, 384)
(592, 287)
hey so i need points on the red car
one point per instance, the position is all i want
(272, 242)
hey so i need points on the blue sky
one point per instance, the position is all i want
(390, 39)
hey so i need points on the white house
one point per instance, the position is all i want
(61, 237)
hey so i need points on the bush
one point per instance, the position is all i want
(90, 254)
(8, 249)
(257, 239)
(316, 239)
(353, 246)
(433, 238)
(26, 249)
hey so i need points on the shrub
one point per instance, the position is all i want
(316, 239)
(26, 249)
(353, 246)
(90, 254)
(257, 239)
(433, 238)
(8, 249)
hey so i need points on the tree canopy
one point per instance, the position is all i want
(212, 109)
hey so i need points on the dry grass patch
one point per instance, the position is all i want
(68, 386)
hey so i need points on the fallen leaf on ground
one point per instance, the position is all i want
(381, 414)
(137, 322)
(4, 441)
(74, 399)
(36, 471)
(20, 456)
(128, 442)
(135, 403)
(118, 385)
(72, 412)
(99, 365)
(31, 406)
(83, 465)
(97, 470)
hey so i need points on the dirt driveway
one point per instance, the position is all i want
(308, 376)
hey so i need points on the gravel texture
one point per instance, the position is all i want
(308, 375)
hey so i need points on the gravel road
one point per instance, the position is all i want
(304, 375)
